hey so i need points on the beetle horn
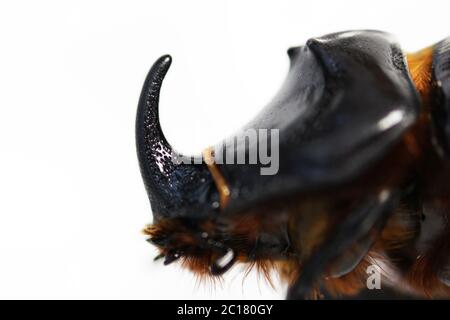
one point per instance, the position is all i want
(170, 185)
(149, 136)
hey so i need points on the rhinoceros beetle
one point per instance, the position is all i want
(363, 175)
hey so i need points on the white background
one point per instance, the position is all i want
(72, 202)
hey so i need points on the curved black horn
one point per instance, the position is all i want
(174, 189)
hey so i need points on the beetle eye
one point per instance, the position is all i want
(171, 257)
(223, 263)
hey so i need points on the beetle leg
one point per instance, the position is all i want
(159, 257)
(372, 213)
